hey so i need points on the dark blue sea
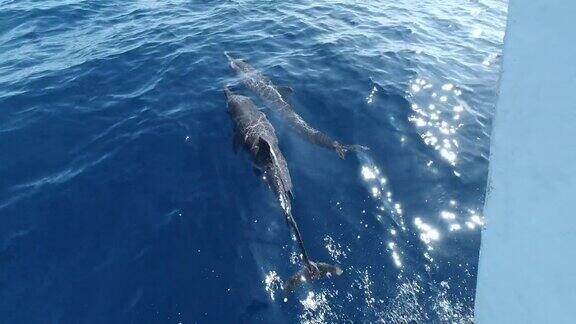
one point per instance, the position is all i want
(122, 200)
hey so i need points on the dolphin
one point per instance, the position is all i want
(253, 131)
(275, 97)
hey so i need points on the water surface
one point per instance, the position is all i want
(121, 199)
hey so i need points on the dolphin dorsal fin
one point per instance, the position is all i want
(284, 91)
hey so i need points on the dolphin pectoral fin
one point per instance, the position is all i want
(284, 91)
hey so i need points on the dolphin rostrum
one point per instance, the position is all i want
(275, 98)
(253, 131)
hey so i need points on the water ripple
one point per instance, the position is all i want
(119, 188)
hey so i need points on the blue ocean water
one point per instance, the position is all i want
(121, 199)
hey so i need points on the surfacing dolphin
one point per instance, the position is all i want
(275, 98)
(253, 131)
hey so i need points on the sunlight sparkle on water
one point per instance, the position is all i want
(335, 250)
(272, 283)
(435, 122)
(396, 259)
(447, 215)
(455, 227)
(427, 232)
(420, 122)
(477, 220)
(367, 173)
(378, 187)
(317, 308)
(448, 156)
(370, 97)
(395, 255)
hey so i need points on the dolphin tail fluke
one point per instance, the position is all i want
(341, 149)
(312, 271)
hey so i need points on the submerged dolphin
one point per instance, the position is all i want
(274, 97)
(254, 132)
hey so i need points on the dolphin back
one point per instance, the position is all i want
(277, 169)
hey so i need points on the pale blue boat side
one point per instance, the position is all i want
(528, 256)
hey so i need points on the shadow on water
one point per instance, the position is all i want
(256, 307)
